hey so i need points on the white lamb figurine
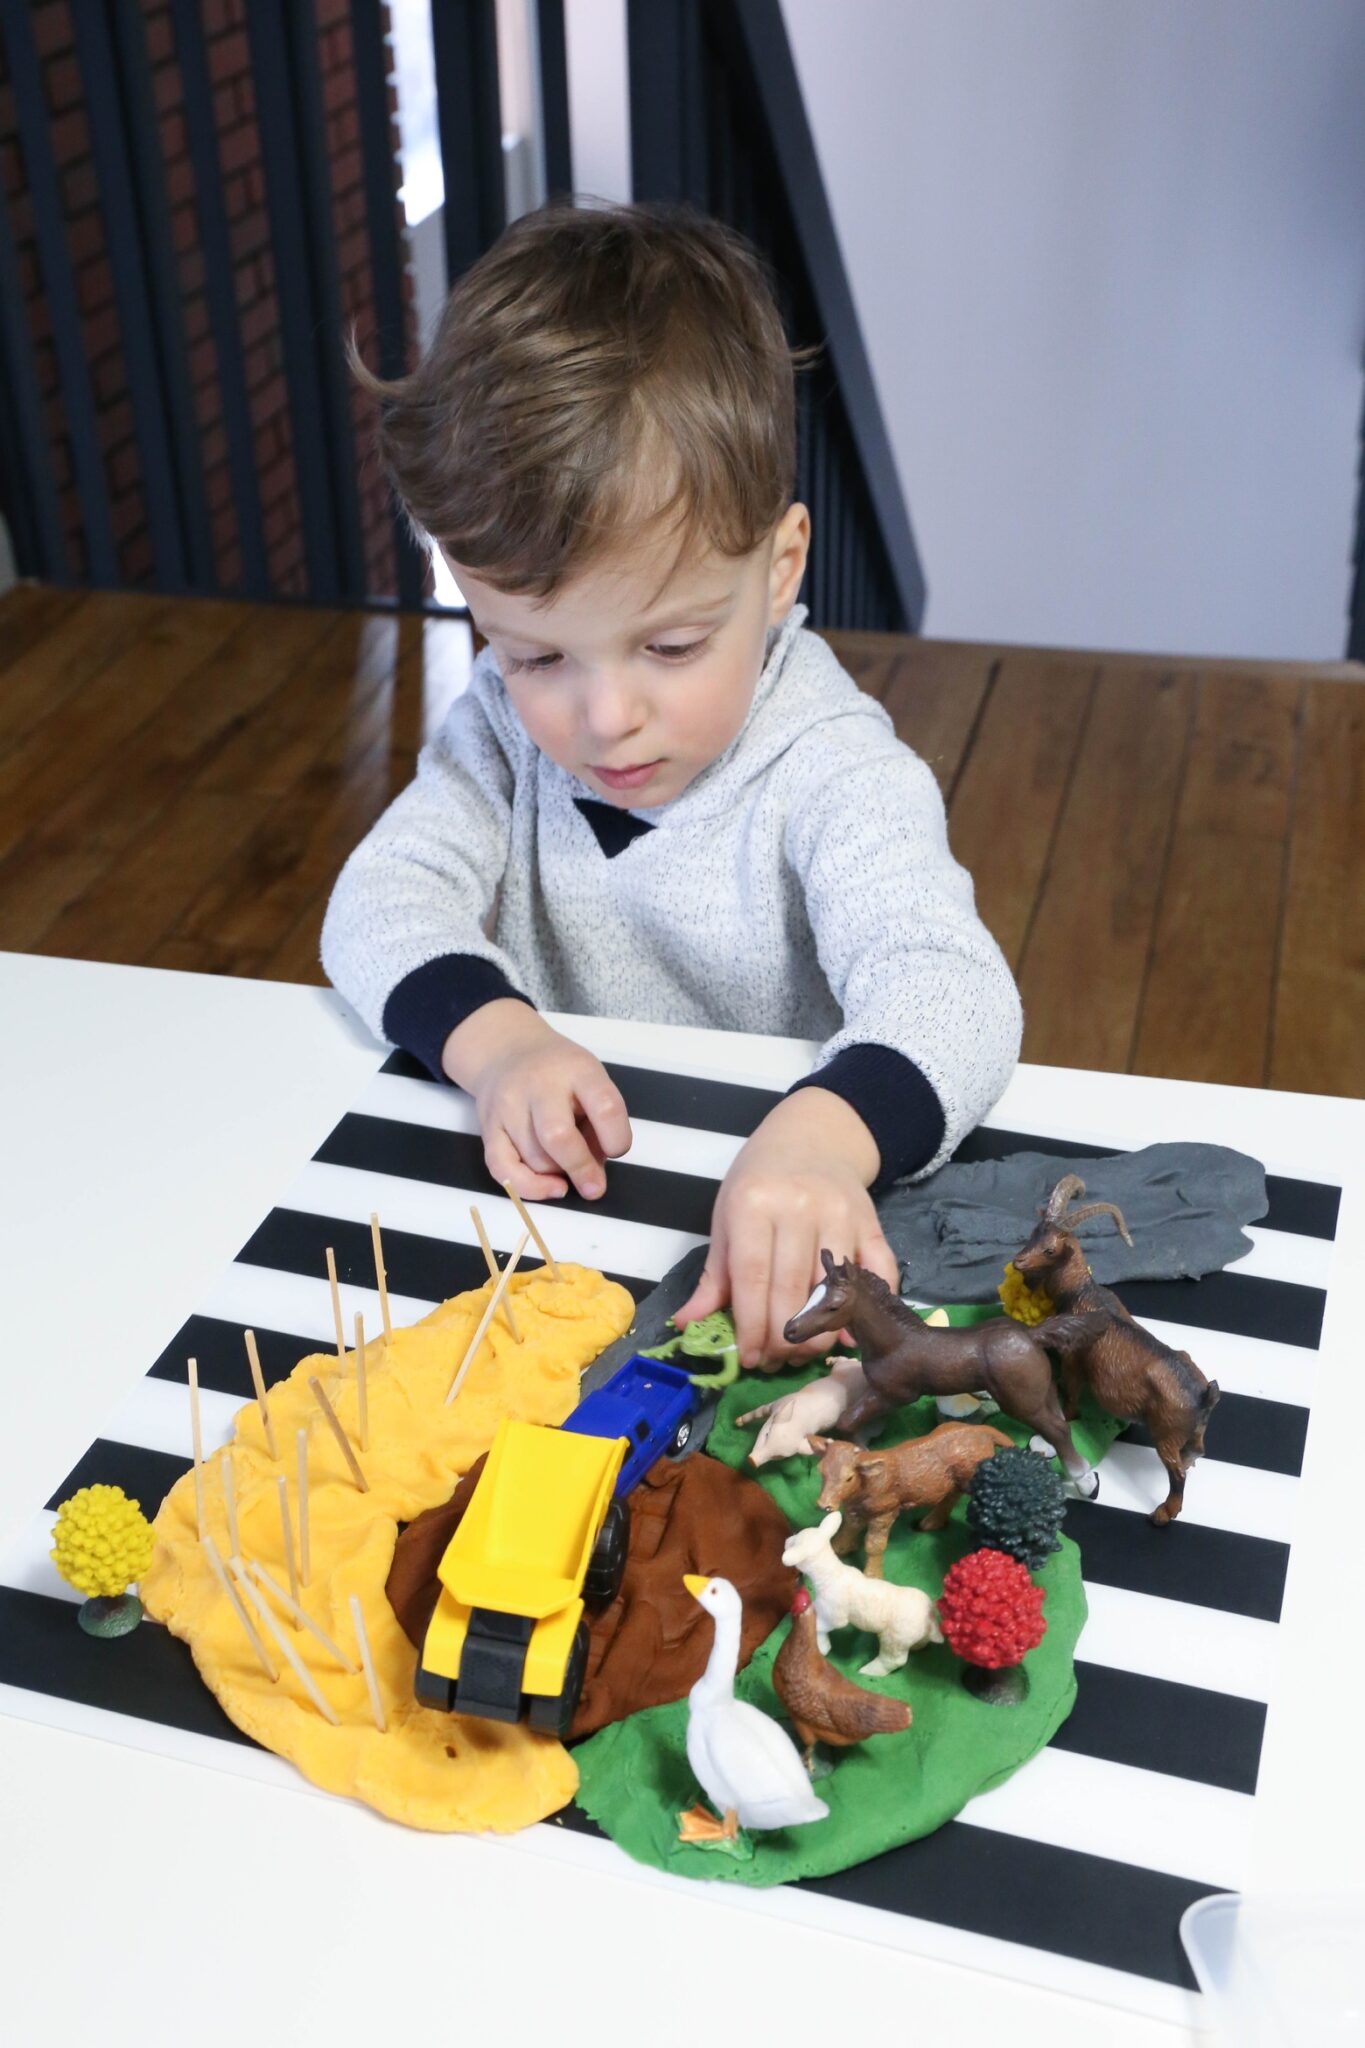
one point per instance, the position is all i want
(810, 1411)
(901, 1617)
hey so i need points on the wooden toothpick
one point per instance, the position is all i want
(197, 1441)
(301, 1447)
(234, 1599)
(494, 1298)
(362, 1392)
(492, 1265)
(343, 1441)
(367, 1665)
(287, 1536)
(303, 1619)
(380, 1276)
(336, 1306)
(284, 1646)
(230, 1503)
(529, 1221)
(253, 1358)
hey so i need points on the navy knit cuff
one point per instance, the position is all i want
(427, 1004)
(893, 1099)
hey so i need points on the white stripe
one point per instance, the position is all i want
(1285, 1255)
(27, 1564)
(1245, 1365)
(1128, 1815)
(1218, 1495)
(1174, 1639)
(816, 1299)
(673, 1148)
(260, 1298)
(609, 1243)
(156, 1416)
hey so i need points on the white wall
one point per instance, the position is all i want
(1109, 256)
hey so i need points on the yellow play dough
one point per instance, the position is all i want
(429, 1769)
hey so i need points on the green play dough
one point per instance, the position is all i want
(634, 1775)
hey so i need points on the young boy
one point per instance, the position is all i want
(660, 797)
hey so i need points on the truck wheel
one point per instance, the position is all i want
(433, 1690)
(602, 1581)
(682, 1437)
(554, 1716)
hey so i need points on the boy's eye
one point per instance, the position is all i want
(512, 665)
(679, 653)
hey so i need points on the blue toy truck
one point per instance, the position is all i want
(650, 1404)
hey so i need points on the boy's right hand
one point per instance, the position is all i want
(549, 1112)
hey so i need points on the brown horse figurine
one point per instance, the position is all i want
(903, 1358)
(870, 1488)
(1131, 1373)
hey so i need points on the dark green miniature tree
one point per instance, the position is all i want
(1016, 1504)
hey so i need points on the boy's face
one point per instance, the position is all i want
(632, 678)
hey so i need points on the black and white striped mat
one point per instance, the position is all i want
(1075, 1873)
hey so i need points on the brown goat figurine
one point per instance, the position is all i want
(1131, 1373)
(904, 1357)
(871, 1488)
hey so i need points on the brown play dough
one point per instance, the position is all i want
(651, 1645)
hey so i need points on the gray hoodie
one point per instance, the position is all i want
(801, 885)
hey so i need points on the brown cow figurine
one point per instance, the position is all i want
(1131, 1373)
(870, 1488)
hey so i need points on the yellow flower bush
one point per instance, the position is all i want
(102, 1541)
(1026, 1304)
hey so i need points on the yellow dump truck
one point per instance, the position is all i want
(507, 1639)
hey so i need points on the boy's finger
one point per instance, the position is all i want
(604, 1107)
(560, 1137)
(794, 1256)
(750, 1278)
(712, 1290)
(876, 1254)
(508, 1168)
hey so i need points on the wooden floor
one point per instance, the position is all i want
(1171, 853)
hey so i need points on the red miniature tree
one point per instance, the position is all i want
(992, 1615)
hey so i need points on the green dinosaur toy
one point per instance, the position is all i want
(710, 1336)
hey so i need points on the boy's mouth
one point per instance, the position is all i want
(627, 778)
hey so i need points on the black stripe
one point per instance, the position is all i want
(1062, 1901)
(1153, 1724)
(1199, 1566)
(1304, 1206)
(145, 1476)
(149, 1674)
(696, 1105)
(220, 1351)
(429, 1268)
(454, 1159)
(1245, 1430)
(1238, 1303)
(1054, 1899)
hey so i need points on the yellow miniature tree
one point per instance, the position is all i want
(1026, 1304)
(102, 1544)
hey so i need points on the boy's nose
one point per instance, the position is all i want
(612, 713)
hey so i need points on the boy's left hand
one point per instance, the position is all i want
(799, 1184)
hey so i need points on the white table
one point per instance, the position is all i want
(118, 1085)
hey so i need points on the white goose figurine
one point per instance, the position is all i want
(747, 1766)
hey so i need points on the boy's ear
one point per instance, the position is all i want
(791, 546)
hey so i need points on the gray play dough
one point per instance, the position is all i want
(1184, 1205)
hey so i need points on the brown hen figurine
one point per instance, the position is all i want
(822, 1705)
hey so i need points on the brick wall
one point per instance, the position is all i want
(229, 61)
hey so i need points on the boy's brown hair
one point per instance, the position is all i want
(599, 370)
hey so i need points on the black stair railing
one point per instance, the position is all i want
(48, 449)
(717, 119)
